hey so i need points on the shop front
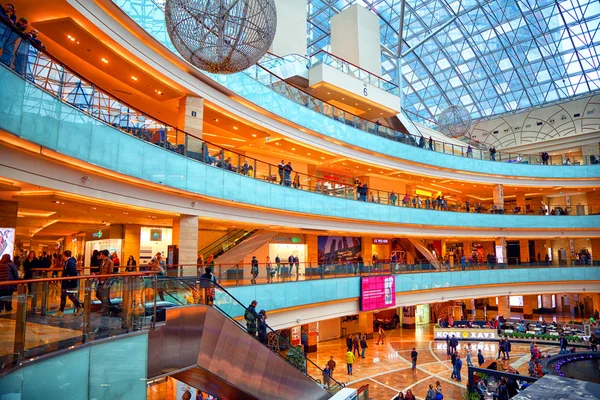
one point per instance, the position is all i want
(152, 241)
(381, 249)
(109, 238)
(286, 245)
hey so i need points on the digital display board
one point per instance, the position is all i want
(377, 292)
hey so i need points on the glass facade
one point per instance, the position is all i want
(493, 57)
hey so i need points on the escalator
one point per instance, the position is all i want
(208, 348)
(417, 253)
(221, 245)
(426, 250)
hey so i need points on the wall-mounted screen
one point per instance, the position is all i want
(377, 292)
(7, 241)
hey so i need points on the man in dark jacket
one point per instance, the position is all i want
(251, 318)
(69, 287)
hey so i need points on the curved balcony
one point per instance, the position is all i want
(59, 110)
(267, 91)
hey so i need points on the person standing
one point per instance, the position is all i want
(413, 358)
(349, 361)
(563, 344)
(430, 143)
(480, 359)
(280, 171)
(30, 263)
(458, 367)
(582, 309)
(363, 345)
(297, 263)
(453, 358)
(251, 318)
(331, 364)
(468, 354)
(291, 263)
(69, 286)
(268, 267)
(287, 171)
(254, 270)
(262, 327)
(278, 264)
(8, 272)
(103, 288)
(430, 393)
(507, 347)
(207, 280)
(131, 264)
(501, 348)
(116, 262)
(448, 346)
(327, 376)
(349, 342)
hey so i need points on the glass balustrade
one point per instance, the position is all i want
(42, 70)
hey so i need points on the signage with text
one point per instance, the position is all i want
(466, 333)
(377, 292)
(381, 241)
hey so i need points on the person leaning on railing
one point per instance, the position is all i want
(10, 39)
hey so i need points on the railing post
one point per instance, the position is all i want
(45, 294)
(20, 323)
(86, 285)
(155, 287)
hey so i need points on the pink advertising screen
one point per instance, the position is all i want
(377, 292)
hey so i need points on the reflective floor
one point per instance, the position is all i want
(386, 367)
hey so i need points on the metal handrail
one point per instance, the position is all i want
(272, 331)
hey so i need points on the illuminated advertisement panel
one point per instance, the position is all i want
(377, 292)
(7, 241)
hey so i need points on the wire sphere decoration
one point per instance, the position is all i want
(455, 121)
(221, 36)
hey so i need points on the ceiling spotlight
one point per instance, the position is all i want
(235, 127)
(254, 135)
(134, 78)
(293, 148)
(104, 60)
(308, 154)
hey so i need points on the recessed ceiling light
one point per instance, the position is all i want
(134, 78)
(308, 154)
(369, 169)
(343, 98)
(343, 163)
(293, 148)
(216, 119)
(328, 93)
(158, 92)
(254, 135)
(355, 104)
(104, 60)
(369, 109)
(277, 143)
(322, 158)
(235, 127)
(357, 166)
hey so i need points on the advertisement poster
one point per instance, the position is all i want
(7, 241)
(334, 249)
(377, 292)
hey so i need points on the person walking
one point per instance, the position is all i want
(69, 286)
(327, 376)
(363, 345)
(251, 318)
(254, 270)
(103, 289)
(8, 272)
(507, 347)
(349, 361)
(355, 346)
(331, 364)
(413, 358)
(380, 335)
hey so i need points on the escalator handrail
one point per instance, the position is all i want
(269, 329)
(234, 235)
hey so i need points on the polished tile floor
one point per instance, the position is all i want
(386, 367)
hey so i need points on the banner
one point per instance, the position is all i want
(377, 292)
(334, 249)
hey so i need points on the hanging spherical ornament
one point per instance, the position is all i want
(455, 121)
(221, 36)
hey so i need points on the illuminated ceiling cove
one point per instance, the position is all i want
(493, 57)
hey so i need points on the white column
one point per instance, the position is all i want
(499, 197)
(290, 37)
(185, 236)
(355, 38)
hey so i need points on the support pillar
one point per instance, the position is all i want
(190, 119)
(185, 237)
(367, 250)
(499, 197)
(529, 303)
(522, 202)
(501, 257)
(312, 249)
(503, 306)
(524, 250)
(131, 244)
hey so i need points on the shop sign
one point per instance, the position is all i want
(97, 235)
(296, 239)
(296, 331)
(466, 333)
(381, 241)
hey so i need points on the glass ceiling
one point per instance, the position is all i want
(493, 57)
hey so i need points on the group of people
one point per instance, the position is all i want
(285, 175)
(433, 393)
(256, 322)
(14, 47)
(279, 270)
